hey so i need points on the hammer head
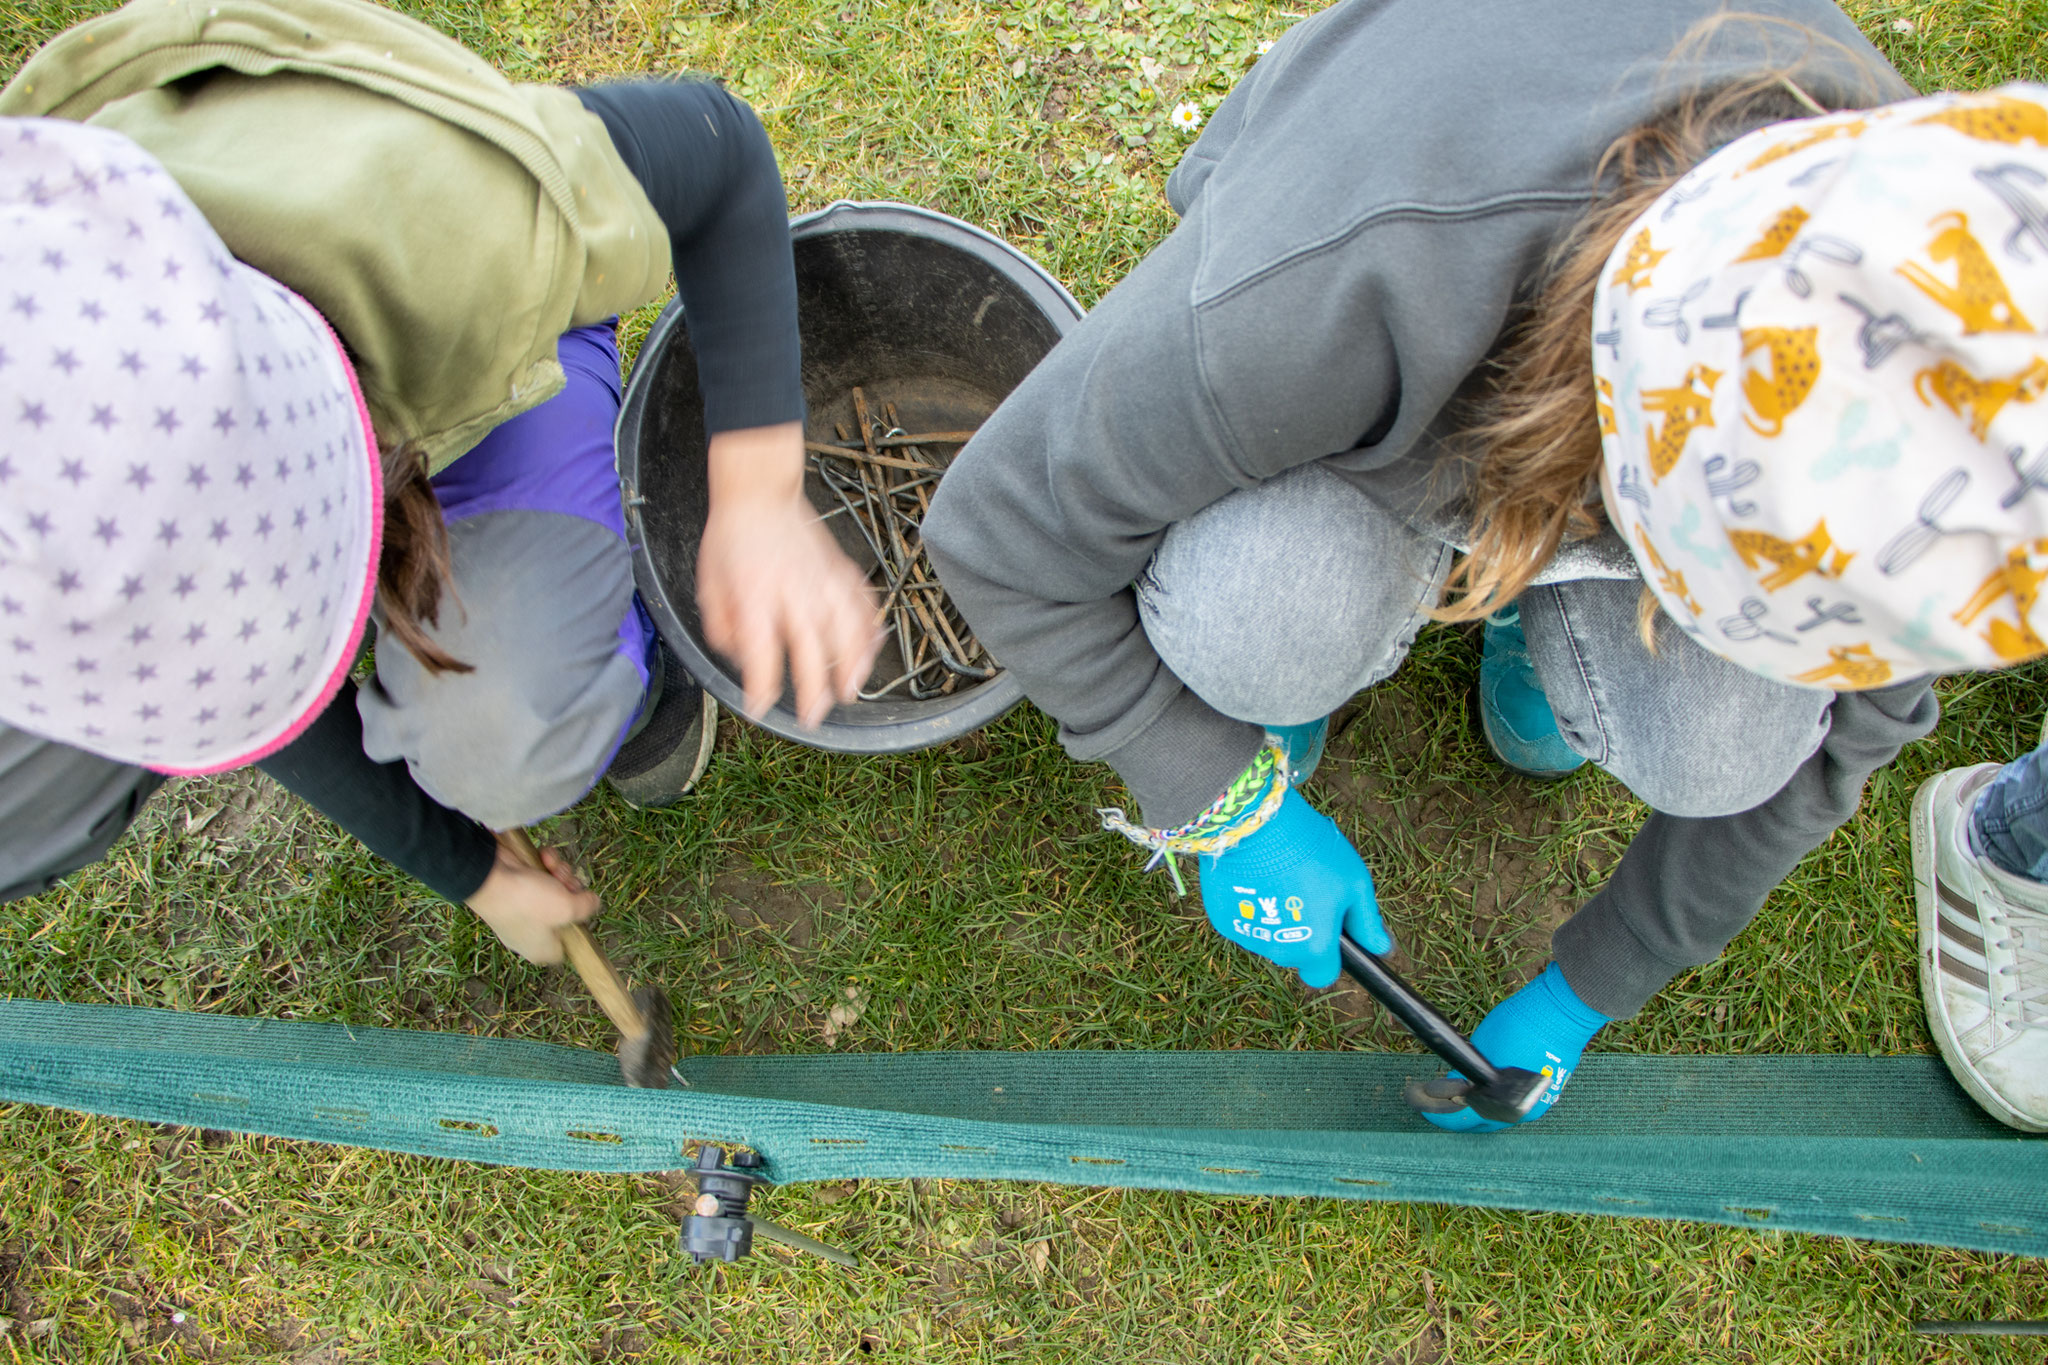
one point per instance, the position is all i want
(1508, 1100)
(645, 1058)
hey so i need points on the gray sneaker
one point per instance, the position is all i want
(1983, 956)
(662, 757)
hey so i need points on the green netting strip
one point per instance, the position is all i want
(1878, 1147)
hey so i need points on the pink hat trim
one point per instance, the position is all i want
(347, 660)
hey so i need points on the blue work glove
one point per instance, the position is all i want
(1289, 888)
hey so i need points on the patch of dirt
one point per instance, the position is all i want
(241, 817)
(16, 1268)
(627, 1343)
(1040, 931)
(754, 904)
(1490, 836)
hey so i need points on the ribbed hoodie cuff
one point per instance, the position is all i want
(1184, 759)
(1605, 964)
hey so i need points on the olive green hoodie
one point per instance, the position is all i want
(450, 224)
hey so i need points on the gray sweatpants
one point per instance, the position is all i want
(1278, 602)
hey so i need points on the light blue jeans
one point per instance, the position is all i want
(2010, 823)
(1278, 602)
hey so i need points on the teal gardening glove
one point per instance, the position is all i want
(1290, 888)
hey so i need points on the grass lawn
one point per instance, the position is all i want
(966, 897)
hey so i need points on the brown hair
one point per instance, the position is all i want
(413, 566)
(1532, 434)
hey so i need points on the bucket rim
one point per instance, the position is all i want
(984, 703)
(919, 220)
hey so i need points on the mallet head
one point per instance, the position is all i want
(1509, 1099)
(645, 1058)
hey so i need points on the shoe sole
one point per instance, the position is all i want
(706, 742)
(1927, 919)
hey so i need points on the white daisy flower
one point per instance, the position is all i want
(1186, 117)
(1902, 26)
(1265, 47)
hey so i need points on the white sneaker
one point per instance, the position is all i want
(1983, 956)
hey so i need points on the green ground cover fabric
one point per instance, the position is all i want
(1878, 1147)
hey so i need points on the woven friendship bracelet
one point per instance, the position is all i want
(1245, 805)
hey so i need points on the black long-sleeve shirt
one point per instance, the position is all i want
(708, 168)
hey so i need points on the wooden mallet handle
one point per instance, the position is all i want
(599, 976)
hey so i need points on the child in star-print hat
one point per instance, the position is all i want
(190, 500)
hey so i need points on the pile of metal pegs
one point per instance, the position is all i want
(882, 480)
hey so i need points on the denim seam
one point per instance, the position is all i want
(1599, 719)
(1403, 643)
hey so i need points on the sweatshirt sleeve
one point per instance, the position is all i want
(1140, 417)
(1177, 391)
(381, 805)
(708, 168)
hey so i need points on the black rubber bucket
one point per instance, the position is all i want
(918, 309)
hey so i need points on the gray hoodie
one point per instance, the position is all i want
(1358, 222)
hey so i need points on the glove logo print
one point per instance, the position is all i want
(1269, 926)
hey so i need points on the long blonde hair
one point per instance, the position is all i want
(1532, 435)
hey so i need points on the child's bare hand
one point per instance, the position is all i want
(773, 584)
(527, 906)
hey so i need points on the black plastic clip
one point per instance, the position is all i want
(718, 1228)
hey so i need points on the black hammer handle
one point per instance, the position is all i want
(1422, 1020)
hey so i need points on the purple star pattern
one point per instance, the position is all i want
(147, 377)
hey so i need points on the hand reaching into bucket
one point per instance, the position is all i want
(772, 584)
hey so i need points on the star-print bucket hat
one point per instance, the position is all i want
(190, 504)
(1822, 365)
